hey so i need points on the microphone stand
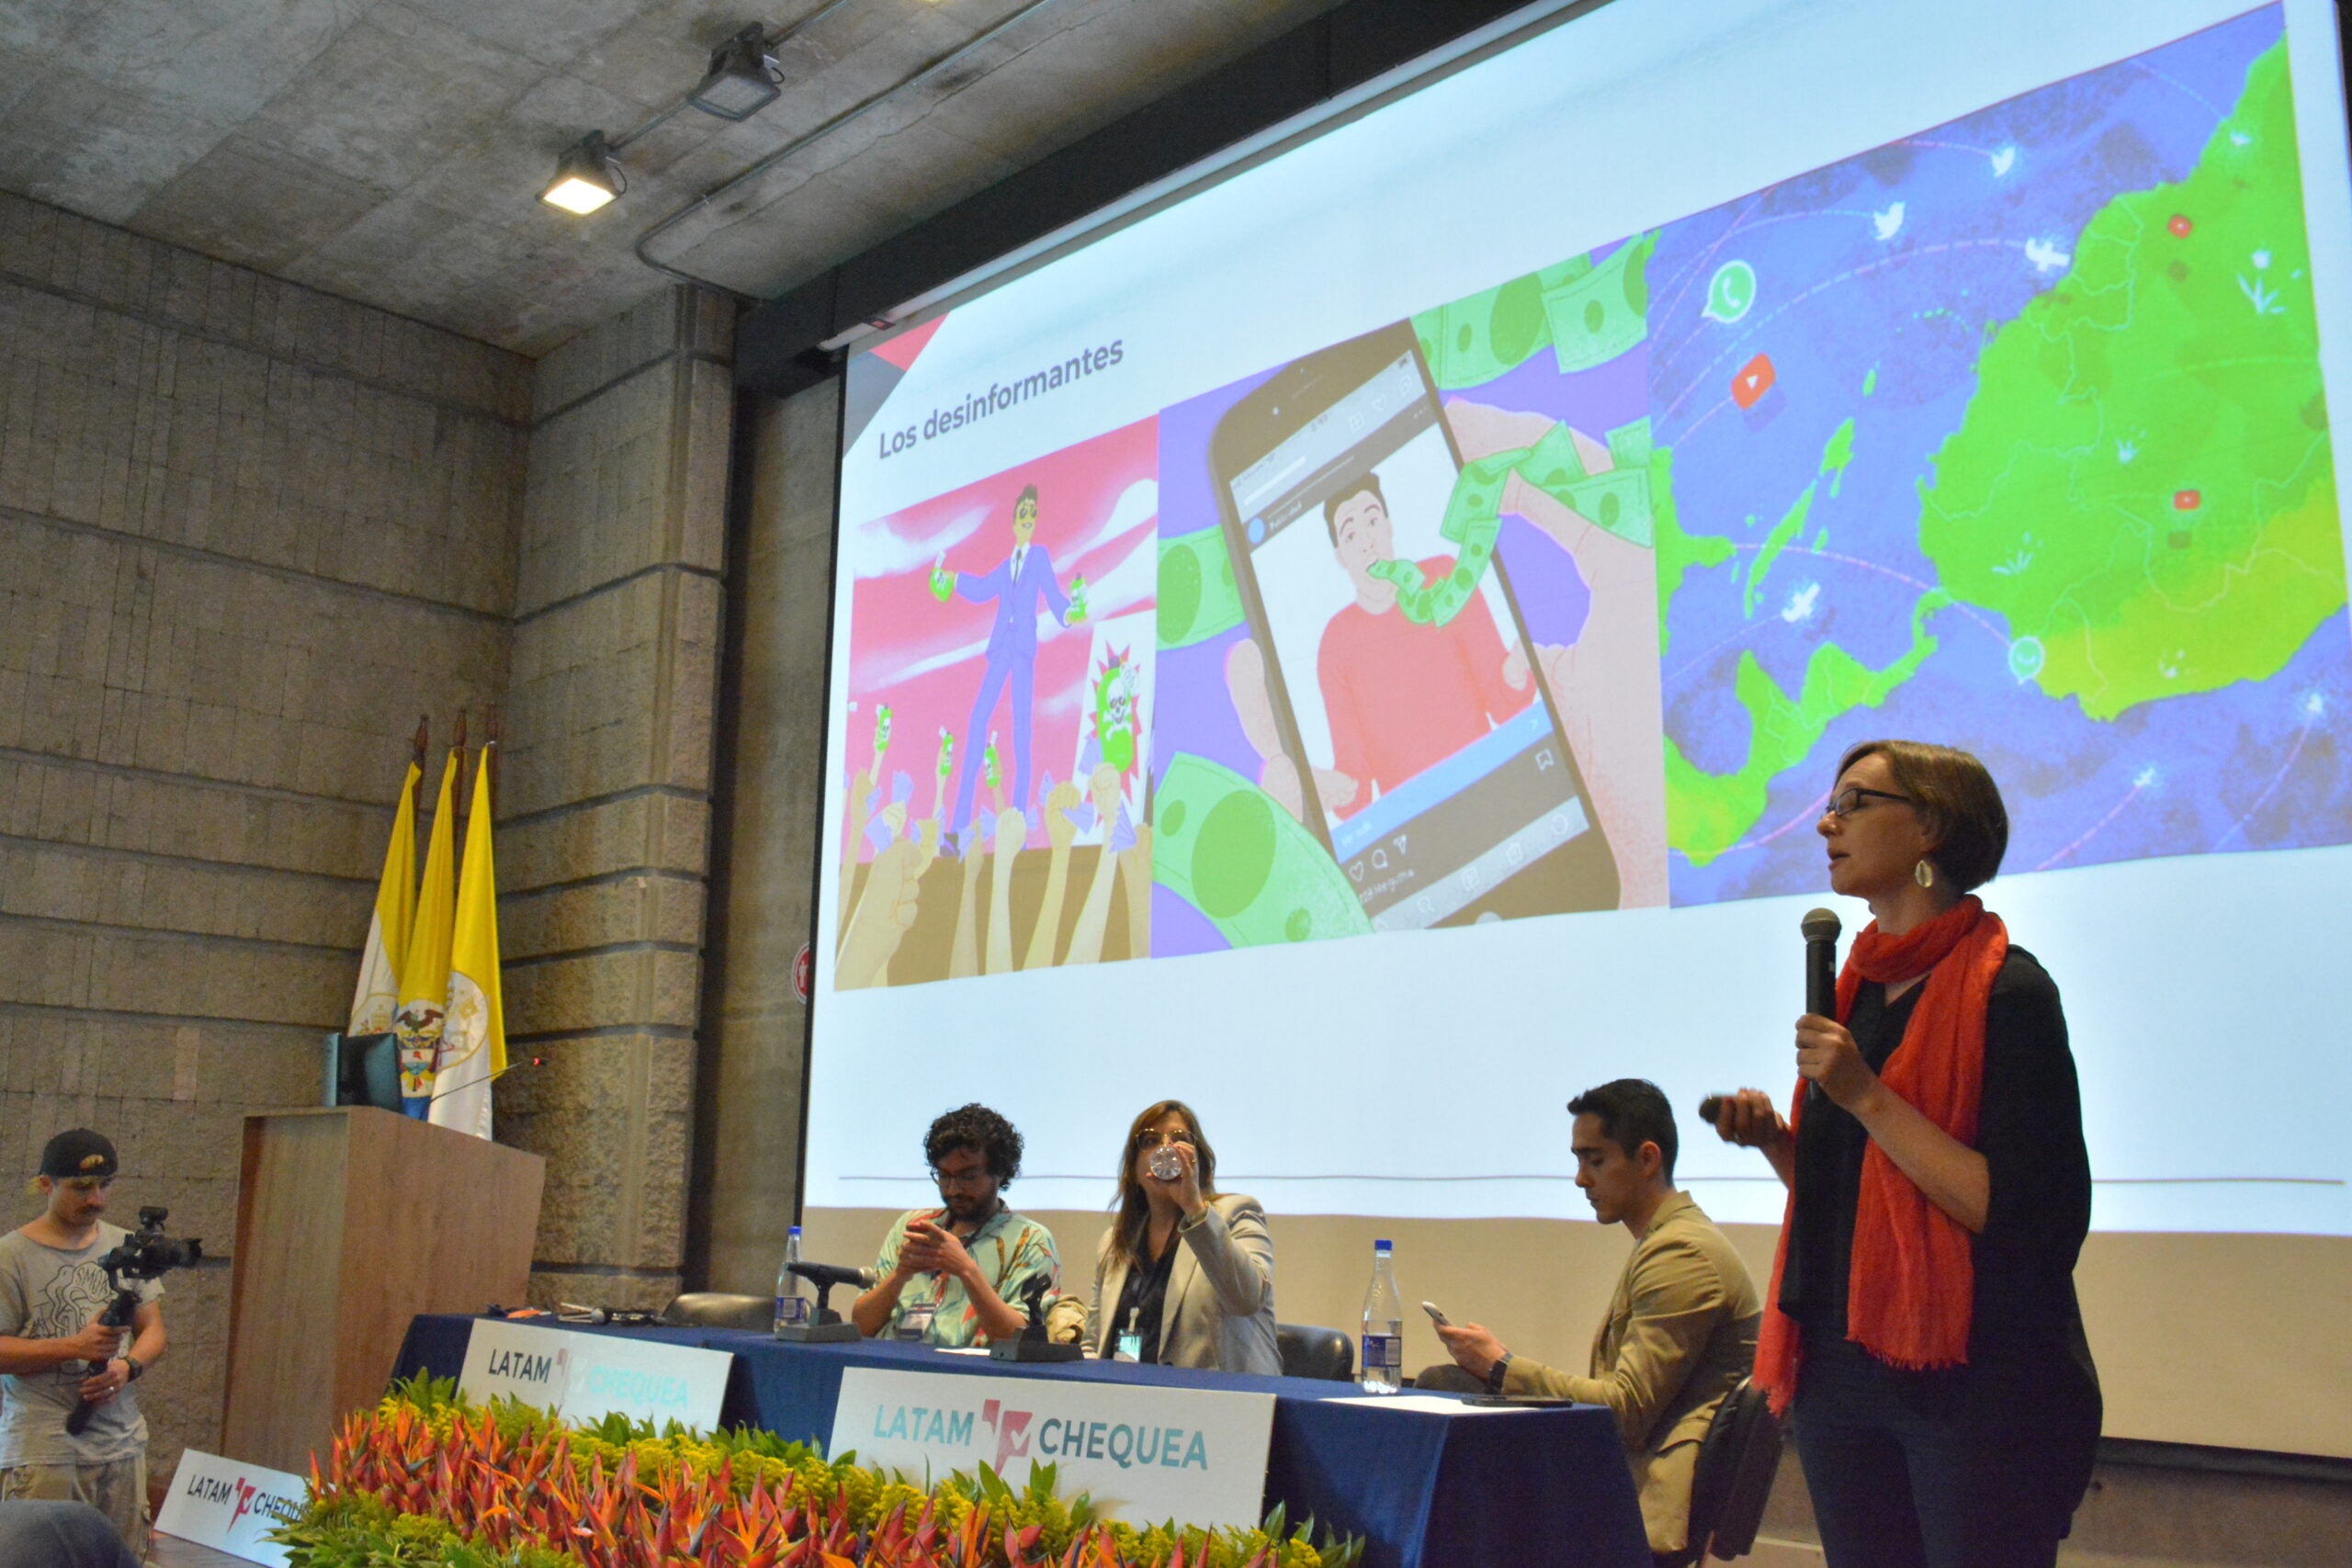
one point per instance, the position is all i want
(817, 1331)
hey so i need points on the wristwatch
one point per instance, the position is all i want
(136, 1366)
(1495, 1373)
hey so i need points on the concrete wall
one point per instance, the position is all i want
(605, 821)
(780, 590)
(248, 532)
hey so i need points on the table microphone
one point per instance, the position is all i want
(1821, 927)
(829, 1274)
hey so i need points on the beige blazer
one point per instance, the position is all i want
(1680, 1335)
(1220, 1308)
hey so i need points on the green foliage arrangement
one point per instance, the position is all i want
(427, 1480)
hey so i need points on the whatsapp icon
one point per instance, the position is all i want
(1731, 293)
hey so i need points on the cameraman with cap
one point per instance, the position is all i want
(53, 1291)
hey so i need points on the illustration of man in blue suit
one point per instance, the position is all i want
(1017, 584)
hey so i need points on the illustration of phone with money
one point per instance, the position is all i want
(1399, 670)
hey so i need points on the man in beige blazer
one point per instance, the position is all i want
(1681, 1327)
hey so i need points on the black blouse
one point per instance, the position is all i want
(2030, 1130)
(1146, 1295)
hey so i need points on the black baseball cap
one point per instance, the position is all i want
(78, 1152)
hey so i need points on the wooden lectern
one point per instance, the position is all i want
(350, 1221)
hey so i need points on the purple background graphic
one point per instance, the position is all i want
(1194, 714)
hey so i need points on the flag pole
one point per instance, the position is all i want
(459, 744)
(495, 730)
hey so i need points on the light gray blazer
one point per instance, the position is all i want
(1220, 1309)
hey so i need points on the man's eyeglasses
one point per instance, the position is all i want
(967, 1181)
(1848, 801)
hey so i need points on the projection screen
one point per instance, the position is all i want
(1730, 383)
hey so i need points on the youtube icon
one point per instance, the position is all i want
(1752, 380)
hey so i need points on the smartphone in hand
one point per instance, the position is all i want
(1436, 1316)
(1457, 794)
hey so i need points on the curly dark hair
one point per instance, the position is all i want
(975, 1126)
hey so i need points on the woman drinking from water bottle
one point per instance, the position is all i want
(1184, 1277)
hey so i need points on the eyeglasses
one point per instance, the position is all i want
(1151, 1138)
(1848, 801)
(969, 1181)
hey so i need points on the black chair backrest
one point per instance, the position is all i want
(720, 1309)
(1446, 1378)
(1734, 1477)
(1308, 1351)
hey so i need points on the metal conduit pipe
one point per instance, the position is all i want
(856, 111)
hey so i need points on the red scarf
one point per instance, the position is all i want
(1908, 1300)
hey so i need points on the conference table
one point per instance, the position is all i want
(1429, 1482)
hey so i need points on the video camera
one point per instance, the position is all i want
(145, 1253)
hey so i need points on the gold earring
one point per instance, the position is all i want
(1924, 873)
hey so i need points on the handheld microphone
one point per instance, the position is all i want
(1821, 927)
(831, 1274)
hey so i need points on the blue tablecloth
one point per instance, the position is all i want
(1521, 1489)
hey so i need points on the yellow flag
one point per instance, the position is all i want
(378, 996)
(425, 967)
(473, 1037)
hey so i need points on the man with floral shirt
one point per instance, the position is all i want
(960, 1274)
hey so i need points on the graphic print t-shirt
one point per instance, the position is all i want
(47, 1293)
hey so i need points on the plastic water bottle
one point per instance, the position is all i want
(1384, 1326)
(793, 1306)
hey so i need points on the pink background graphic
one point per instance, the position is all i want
(1098, 506)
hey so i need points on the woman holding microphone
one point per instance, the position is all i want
(1185, 1275)
(1922, 1320)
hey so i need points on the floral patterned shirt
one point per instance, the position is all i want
(1012, 1253)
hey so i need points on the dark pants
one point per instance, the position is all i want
(1974, 1467)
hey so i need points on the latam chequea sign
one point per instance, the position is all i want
(231, 1506)
(585, 1377)
(1143, 1452)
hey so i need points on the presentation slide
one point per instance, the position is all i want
(1365, 649)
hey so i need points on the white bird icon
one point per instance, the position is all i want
(1886, 223)
(2003, 161)
(2045, 255)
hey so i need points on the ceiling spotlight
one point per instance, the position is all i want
(586, 176)
(743, 79)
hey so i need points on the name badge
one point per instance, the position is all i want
(914, 1322)
(1130, 1347)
